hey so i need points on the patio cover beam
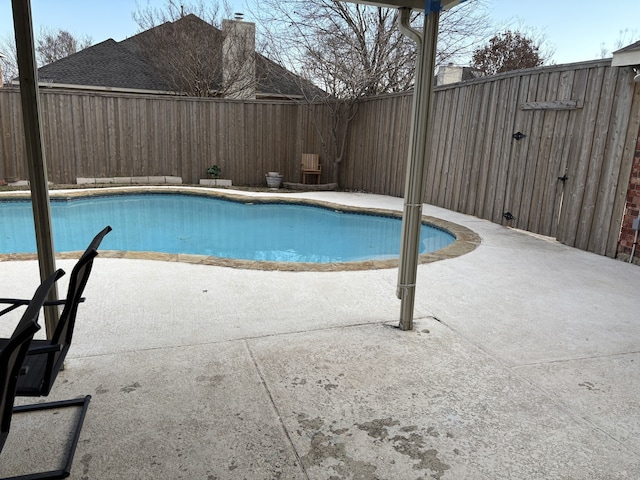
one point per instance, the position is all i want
(426, 42)
(416, 162)
(36, 161)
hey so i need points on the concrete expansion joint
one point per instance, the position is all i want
(575, 359)
(275, 408)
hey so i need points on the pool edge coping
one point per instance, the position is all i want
(466, 240)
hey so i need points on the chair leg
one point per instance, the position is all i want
(65, 471)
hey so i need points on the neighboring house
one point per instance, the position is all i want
(184, 57)
(627, 56)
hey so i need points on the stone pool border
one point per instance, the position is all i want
(465, 242)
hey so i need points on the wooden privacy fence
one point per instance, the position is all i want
(108, 135)
(565, 175)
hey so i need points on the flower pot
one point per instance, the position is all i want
(273, 181)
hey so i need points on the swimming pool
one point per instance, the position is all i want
(254, 230)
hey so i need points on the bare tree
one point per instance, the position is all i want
(8, 59)
(506, 52)
(149, 16)
(462, 30)
(52, 45)
(196, 52)
(625, 37)
(354, 51)
(351, 52)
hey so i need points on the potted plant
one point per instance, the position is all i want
(214, 172)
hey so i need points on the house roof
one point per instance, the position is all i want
(629, 48)
(130, 65)
(627, 56)
(107, 64)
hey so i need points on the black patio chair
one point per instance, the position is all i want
(12, 367)
(45, 358)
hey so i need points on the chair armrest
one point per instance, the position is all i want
(38, 350)
(62, 301)
(13, 304)
(18, 302)
(15, 301)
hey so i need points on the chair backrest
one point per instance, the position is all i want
(310, 161)
(14, 352)
(63, 333)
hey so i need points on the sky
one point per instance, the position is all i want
(575, 29)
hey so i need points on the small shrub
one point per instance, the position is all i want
(214, 171)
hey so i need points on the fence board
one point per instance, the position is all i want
(435, 136)
(461, 178)
(572, 85)
(484, 187)
(505, 150)
(520, 203)
(453, 140)
(543, 165)
(596, 159)
(518, 153)
(622, 96)
(496, 171)
(442, 140)
(578, 167)
(553, 187)
(460, 146)
(479, 129)
(532, 169)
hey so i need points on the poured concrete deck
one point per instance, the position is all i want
(524, 364)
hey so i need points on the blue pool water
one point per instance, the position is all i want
(176, 223)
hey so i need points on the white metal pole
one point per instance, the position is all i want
(35, 151)
(416, 166)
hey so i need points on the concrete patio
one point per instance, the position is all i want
(524, 364)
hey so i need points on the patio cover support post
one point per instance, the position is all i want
(416, 162)
(35, 151)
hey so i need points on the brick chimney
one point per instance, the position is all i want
(239, 58)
